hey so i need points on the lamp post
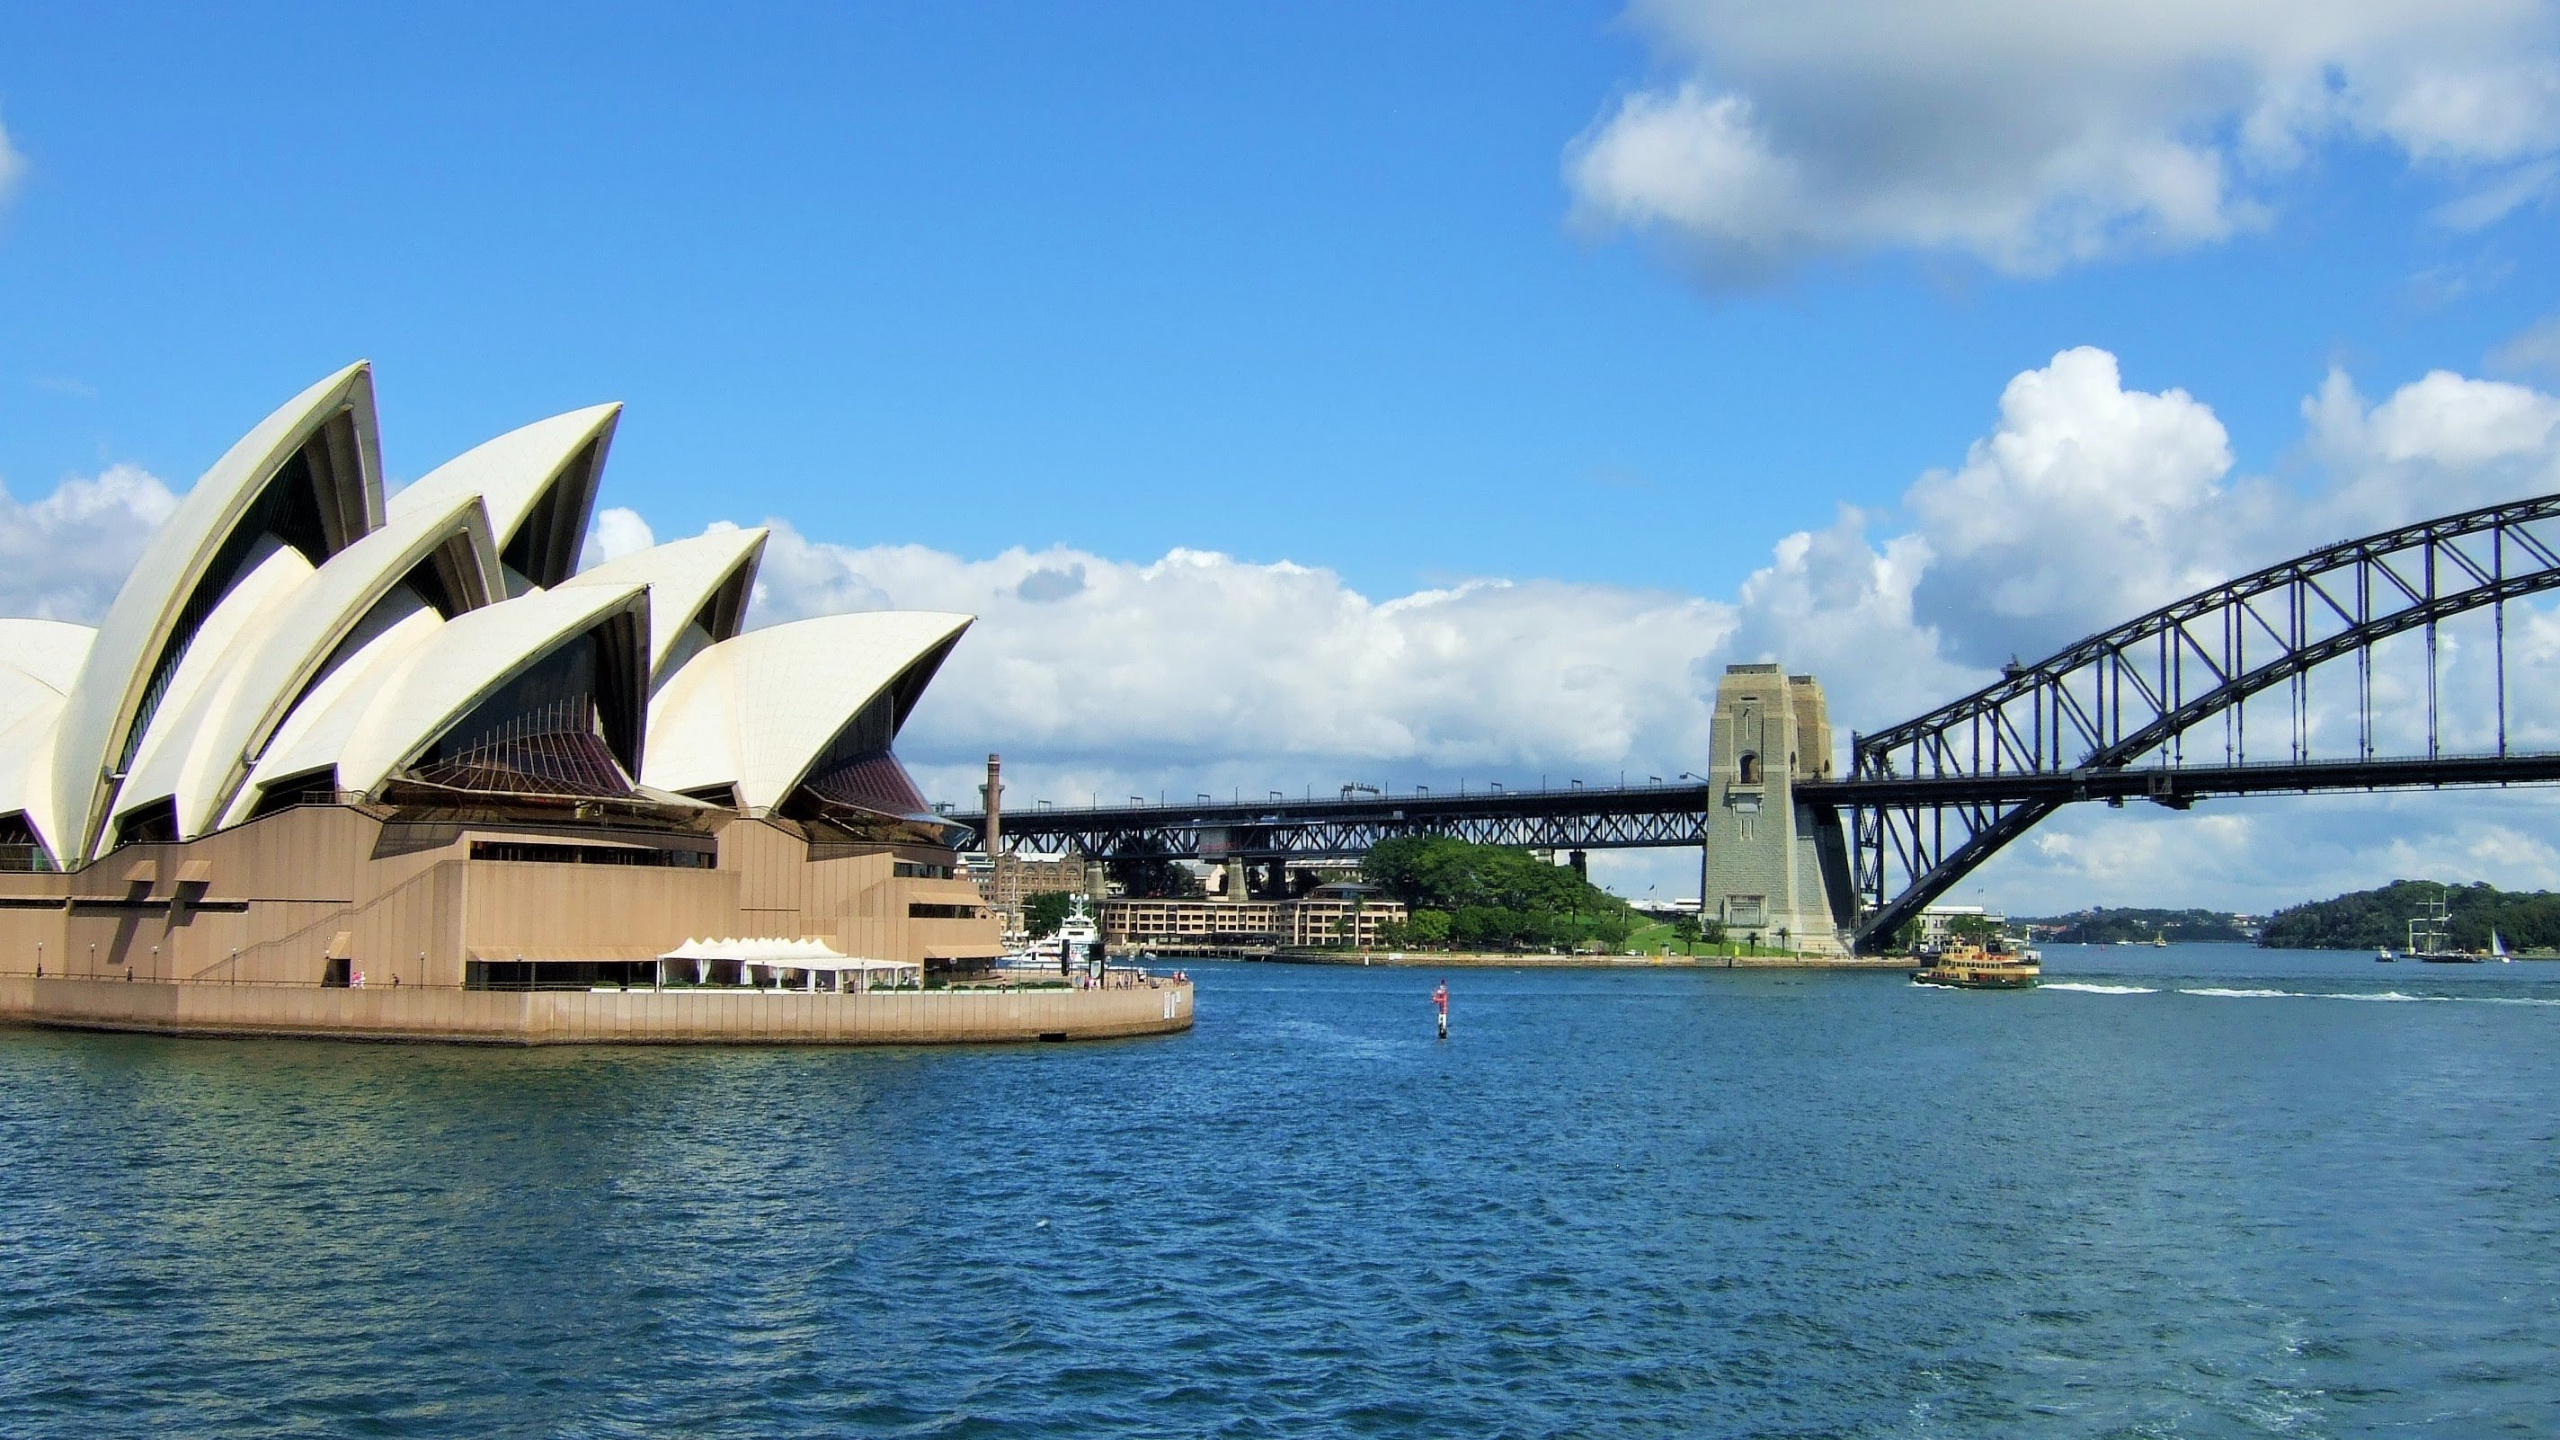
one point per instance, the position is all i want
(1702, 854)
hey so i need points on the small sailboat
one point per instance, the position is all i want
(2382, 955)
(2498, 947)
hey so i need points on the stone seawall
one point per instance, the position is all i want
(603, 1017)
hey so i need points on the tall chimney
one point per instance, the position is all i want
(995, 805)
(993, 838)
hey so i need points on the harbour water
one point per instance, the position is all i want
(2196, 1191)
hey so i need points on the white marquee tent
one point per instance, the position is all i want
(780, 957)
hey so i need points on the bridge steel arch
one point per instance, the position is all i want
(1934, 797)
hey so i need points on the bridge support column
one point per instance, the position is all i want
(1768, 869)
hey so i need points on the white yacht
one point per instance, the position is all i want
(1076, 947)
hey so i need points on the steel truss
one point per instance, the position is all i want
(1620, 818)
(1932, 798)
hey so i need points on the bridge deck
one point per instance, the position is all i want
(1669, 816)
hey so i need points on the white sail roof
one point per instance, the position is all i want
(255, 602)
(145, 622)
(388, 635)
(280, 633)
(215, 736)
(757, 711)
(38, 661)
(715, 570)
(26, 769)
(47, 650)
(385, 718)
(538, 482)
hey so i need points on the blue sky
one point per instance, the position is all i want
(1514, 362)
(1287, 284)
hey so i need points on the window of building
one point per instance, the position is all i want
(147, 824)
(550, 854)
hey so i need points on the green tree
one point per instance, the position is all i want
(1497, 897)
(1973, 929)
(1688, 931)
(2364, 919)
(1043, 913)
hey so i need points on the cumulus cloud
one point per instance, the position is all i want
(615, 532)
(2087, 504)
(1099, 673)
(2033, 136)
(63, 557)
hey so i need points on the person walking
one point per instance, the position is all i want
(1440, 998)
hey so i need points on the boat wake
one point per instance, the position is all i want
(2246, 994)
(2216, 992)
(2383, 996)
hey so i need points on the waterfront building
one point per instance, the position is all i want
(330, 738)
(1776, 870)
(1329, 915)
(1018, 875)
(1936, 918)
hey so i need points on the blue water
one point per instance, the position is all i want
(1615, 1203)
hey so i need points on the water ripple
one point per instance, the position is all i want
(1619, 1203)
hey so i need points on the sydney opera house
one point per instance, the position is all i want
(336, 760)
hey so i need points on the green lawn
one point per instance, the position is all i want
(1650, 936)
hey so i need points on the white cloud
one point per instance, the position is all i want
(615, 532)
(1100, 670)
(1836, 605)
(63, 557)
(2088, 504)
(2033, 136)
(2442, 443)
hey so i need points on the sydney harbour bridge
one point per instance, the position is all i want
(2169, 707)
